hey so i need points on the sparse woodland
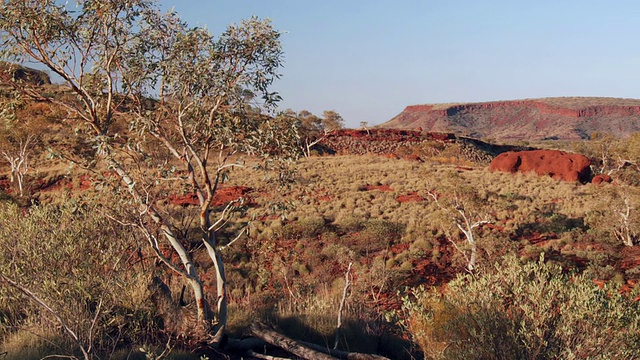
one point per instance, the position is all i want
(155, 204)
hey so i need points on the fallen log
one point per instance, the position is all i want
(265, 357)
(273, 337)
(343, 355)
(305, 350)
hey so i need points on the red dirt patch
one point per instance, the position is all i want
(85, 182)
(399, 248)
(498, 228)
(410, 197)
(413, 157)
(222, 197)
(630, 257)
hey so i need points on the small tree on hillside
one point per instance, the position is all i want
(312, 131)
(618, 213)
(613, 156)
(332, 121)
(17, 151)
(461, 206)
(19, 141)
(180, 93)
(365, 125)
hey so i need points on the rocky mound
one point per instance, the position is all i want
(22, 73)
(532, 119)
(557, 164)
(401, 143)
(377, 141)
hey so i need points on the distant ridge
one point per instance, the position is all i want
(557, 118)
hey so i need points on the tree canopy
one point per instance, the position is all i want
(162, 105)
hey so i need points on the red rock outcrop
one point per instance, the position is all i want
(378, 141)
(601, 178)
(557, 164)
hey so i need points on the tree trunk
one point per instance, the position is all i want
(471, 264)
(272, 337)
(221, 288)
(474, 255)
(189, 272)
(222, 303)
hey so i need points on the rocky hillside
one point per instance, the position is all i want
(563, 118)
(411, 144)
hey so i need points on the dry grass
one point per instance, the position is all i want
(332, 188)
(344, 209)
(28, 345)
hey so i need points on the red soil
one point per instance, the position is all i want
(222, 197)
(410, 197)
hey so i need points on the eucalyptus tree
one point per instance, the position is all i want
(150, 93)
(332, 121)
(460, 208)
(19, 141)
(312, 131)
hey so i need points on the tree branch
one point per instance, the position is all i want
(44, 305)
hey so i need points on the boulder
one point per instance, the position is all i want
(601, 178)
(554, 163)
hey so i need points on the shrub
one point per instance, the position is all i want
(524, 311)
(350, 223)
(83, 266)
(304, 228)
(376, 235)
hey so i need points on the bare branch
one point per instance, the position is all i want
(44, 305)
(347, 284)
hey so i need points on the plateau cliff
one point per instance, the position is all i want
(562, 118)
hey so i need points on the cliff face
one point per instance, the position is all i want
(535, 119)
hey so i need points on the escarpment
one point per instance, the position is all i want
(570, 118)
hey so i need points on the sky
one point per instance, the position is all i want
(370, 59)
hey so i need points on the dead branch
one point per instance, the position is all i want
(272, 337)
(345, 355)
(347, 283)
(266, 357)
(44, 305)
(304, 349)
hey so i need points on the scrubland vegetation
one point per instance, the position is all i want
(150, 224)
(290, 269)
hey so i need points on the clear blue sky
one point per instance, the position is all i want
(367, 60)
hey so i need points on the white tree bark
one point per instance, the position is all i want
(624, 232)
(19, 161)
(466, 225)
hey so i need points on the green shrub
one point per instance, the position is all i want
(305, 228)
(383, 230)
(524, 311)
(350, 222)
(82, 265)
(376, 235)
